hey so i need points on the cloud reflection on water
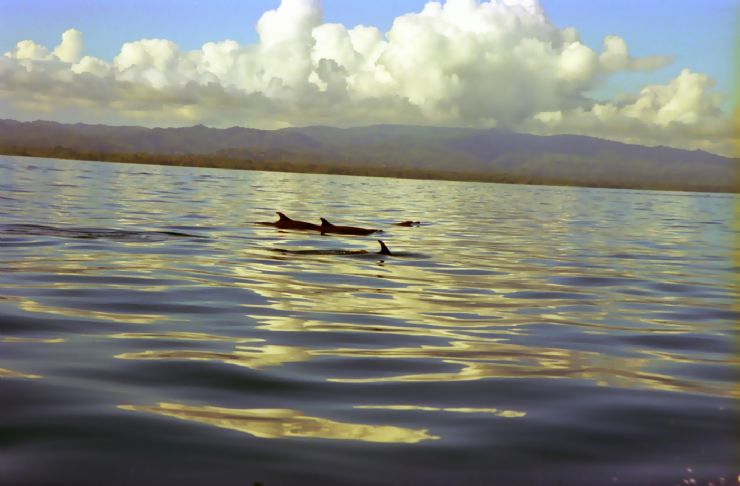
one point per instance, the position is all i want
(249, 357)
(422, 408)
(279, 423)
(494, 359)
(6, 373)
(556, 284)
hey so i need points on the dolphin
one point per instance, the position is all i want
(285, 222)
(327, 227)
(91, 233)
(383, 251)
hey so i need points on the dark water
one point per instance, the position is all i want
(524, 335)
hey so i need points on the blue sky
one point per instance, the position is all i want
(699, 34)
(642, 97)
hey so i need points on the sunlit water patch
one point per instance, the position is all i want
(152, 333)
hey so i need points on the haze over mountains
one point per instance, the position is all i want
(392, 150)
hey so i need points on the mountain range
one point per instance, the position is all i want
(386, 150)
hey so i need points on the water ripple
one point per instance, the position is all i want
(144, 304)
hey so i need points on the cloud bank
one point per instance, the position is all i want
(500, 63)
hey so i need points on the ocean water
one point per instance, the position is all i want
(151, 334)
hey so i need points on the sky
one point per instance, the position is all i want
(640, 71)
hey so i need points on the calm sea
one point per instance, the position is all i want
(151, 334)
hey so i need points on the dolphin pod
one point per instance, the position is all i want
(284, 222)
(326, 227)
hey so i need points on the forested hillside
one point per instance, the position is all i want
(386, 150)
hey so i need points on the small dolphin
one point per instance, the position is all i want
(383, 251)
(408, 223)
(327, 227)
(286, 223)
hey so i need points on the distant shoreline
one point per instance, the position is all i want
(397, 151)
(236, 163)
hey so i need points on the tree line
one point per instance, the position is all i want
(310, 163)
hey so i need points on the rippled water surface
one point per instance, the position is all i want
(151, 334)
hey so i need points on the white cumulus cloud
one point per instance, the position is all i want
(70, 50)
(28, 49)
(498, 63)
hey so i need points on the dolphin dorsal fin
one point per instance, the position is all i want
(324, 222)
(283, 217)
(384, 249)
